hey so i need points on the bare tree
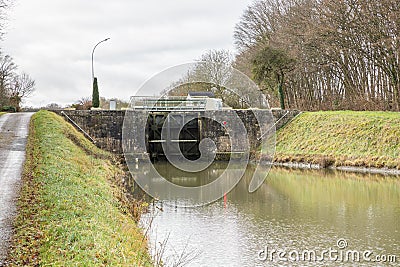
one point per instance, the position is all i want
(4, 5)
(259, 22)
(214, 67)
(211, 73)
(83, 103)
(7, 73)
(22, 87)
(347, 52)
(10, 83)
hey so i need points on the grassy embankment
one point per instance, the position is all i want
(342, 138)
(1, 113)
(69, 213)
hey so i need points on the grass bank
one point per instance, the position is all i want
(69, 213)
(1, 113)
(342, 138)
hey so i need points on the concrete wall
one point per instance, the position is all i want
(105, 126)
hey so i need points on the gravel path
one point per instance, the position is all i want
(13, 135)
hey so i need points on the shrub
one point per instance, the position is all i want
(8, 109)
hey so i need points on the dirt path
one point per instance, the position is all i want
(13, 135)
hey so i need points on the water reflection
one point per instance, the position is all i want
(292, 210)
(188, 188)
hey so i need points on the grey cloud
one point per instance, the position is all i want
(53, 40)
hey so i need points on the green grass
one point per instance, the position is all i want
(69, 213)
(350, 138)
(1, 113)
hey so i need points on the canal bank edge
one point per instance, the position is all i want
(358, 141)
(69, 212)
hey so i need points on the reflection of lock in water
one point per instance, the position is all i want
(224, 144)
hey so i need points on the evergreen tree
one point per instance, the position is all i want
(95, 94)
(269, 68)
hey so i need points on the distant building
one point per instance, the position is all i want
(200, 95)
(113, 104)
(211, 103)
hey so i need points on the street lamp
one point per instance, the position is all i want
(93, 54)
(95, 93)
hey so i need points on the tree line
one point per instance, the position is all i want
(323, 54)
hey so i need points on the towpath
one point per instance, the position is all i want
(13, 136)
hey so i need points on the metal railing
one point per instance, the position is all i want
(79, 128)
(167, 103)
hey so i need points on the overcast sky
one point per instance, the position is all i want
(53, 40)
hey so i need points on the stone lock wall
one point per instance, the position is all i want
(105, 126)
(251, 133)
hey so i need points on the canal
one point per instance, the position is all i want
(296, 218)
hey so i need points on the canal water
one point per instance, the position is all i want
(296, 218)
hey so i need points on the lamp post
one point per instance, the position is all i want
(94, 48)
(95, 93)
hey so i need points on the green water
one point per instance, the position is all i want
(294, 211)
